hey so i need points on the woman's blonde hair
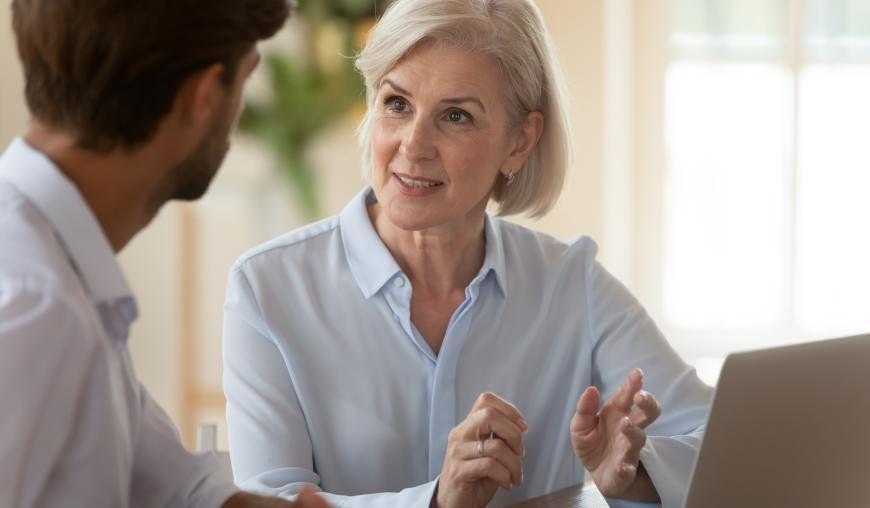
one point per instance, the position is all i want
(511, 32)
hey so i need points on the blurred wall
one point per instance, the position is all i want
(577, 32)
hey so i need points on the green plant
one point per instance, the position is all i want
(312, 90)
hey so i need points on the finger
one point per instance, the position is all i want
(586, 417)
(499, 450)
(626, 472)
(485, 468)
(634, 439)
(489, 399)
(647, 409)
(308, 499)
(488, 420)
(624, 397)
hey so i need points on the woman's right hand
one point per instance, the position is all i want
(484, 452)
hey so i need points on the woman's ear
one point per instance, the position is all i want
(525, 140)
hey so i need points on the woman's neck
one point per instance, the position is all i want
(439, 260)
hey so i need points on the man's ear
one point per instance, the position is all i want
(200, 96)
(524, 141)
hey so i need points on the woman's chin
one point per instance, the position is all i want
(408, 218)
(409, 223)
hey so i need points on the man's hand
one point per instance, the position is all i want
(306, 499)
(608, 442)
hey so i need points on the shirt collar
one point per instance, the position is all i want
(60, 202)
(372, 264)
(494, 261)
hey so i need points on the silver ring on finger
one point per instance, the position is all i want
(480, 442)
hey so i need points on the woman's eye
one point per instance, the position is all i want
(396, 104)
(458, 116)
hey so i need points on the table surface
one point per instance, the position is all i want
(578, 496)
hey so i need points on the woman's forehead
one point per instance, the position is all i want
(444, 69)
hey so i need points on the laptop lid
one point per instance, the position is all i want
(789, 427)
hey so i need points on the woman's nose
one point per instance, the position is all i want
(417, 142)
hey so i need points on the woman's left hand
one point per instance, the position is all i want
(608, 442)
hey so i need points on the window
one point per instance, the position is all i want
(767, 215)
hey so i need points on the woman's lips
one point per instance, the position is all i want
(416, 186)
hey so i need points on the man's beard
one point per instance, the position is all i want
(190, 178)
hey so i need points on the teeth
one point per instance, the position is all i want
(417, 184)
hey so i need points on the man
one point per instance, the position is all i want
(132, 104)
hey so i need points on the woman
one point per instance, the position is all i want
(415, 349)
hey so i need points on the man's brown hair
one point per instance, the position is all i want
(108, 71)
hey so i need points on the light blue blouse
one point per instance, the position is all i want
(329, 383)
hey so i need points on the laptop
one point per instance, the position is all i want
(789, 427)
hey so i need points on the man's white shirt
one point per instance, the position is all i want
(77, 429)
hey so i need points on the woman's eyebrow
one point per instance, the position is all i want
(396, 87)
(460, 100)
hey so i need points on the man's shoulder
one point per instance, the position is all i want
(32, 259)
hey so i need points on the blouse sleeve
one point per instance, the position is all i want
(627, 338)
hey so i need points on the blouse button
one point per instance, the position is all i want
(399, 282)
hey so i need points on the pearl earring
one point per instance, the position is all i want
(509, 178)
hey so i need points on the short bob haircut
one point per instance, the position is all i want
(511, 32)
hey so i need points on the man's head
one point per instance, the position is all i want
(189, 178)
(108, 73)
